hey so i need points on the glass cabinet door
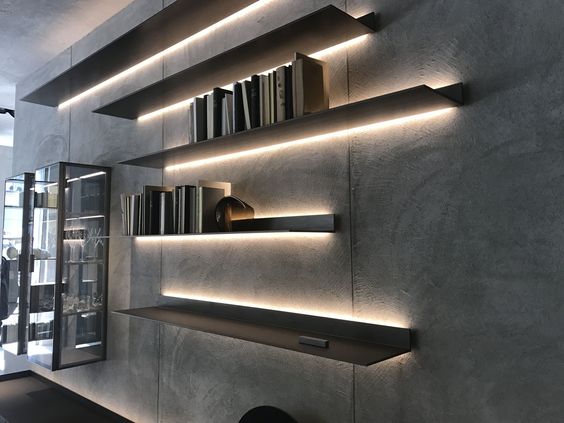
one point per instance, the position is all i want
(16, 250)
(44, 277)
(84, 265)
(68, 289)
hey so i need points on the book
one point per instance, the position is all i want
(264, 100)
(280, 94)
(272, 96)
(255, 101)
(246, 88)
(199, 112)
(190, 125)
(135, 211)
(238, 108)
(155, 218)
(124, 214)
(217, 97)
(207, 201)
(289, 99)
(310, 85)
(227, 115)
(209, 116)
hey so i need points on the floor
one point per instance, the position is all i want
(30, 399)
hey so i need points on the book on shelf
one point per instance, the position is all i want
(310, 84)
(157, 210)
(264, 92)
(191, 139)
(246, 88)
(131, 214)
(287, 92)
(238, 108)
(280, 94)
(199, 119)
(183, 209)
(215, 111)
(272, 96)
(227, 115)
(255, 101)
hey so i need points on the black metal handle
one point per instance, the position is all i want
(314, 342)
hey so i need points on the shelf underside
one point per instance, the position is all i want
(400, 104)
(343, 340)
(173, 24)
(320, 223)
(322, 29)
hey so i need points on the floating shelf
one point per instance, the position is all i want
(400, 104)
(343, 340)
(323, 223)
(171, 25)
(324, 28)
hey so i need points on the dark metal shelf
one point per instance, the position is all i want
(343, 340)
(173, 24)
(324, 223)
(400, 104)
(317, 31)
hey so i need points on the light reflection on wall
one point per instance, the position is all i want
(333, 136)
(153, 59)
(227, 299)
(318, 55)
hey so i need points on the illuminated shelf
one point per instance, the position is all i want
(413, 101)
(317, 31)
(343, 340)
(171, 25)
(319, 223)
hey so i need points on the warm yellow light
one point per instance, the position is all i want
(317, 55)
(230, 236)
(347, 44)
(147, 62)
(290, 213)
(225, 300)
(322, 137)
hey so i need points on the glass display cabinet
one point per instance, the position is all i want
(67, 295)
(16, 264)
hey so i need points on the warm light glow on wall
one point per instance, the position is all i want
(317, 55)
(230, 236)
(269, 306)
(322, 137)
(147, 62)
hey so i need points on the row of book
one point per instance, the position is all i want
(172, 210)
(285, 93)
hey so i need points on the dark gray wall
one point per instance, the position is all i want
(454, 228)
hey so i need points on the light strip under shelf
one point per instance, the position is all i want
(170, 50)
(318, 55)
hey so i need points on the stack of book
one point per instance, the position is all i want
(285, 93)
(172, 210)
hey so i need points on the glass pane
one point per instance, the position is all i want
(84, 271)
(12, 307)
(42, 289)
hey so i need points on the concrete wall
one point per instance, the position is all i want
(452, 226)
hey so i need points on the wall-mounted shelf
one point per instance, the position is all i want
(319, 223)
(173, 24)
(324, 28)
(400, 104)
(343, 340)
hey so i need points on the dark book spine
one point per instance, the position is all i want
(289, 101)
(238, 112)
(255, 101)
(217, 98)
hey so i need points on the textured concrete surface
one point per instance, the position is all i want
(454, 228)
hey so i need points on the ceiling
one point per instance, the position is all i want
(32, 32)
